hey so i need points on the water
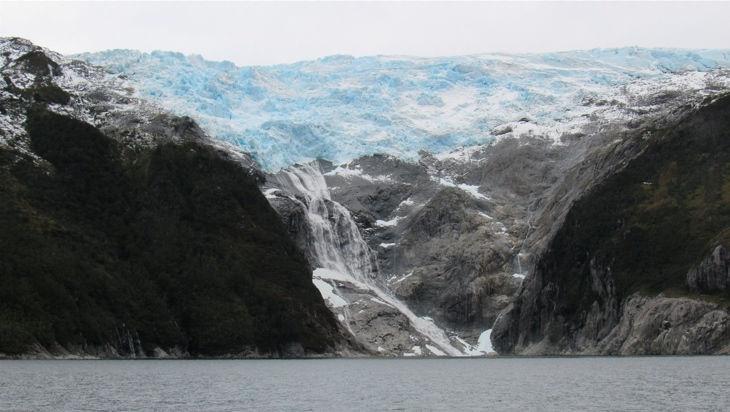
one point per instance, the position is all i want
(338, 246)
(336, 240)
(564, 384)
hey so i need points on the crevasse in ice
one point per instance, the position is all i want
(341, 107)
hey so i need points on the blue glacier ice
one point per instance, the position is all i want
(341, 107)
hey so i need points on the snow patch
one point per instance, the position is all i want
(388, 223)
(348, 173)
(484, 344)
(330, 274)
(328, 293)
(407, 202)
(460, 155)
(269, 193)
(406, 276)
(436, 351)
(472, 190)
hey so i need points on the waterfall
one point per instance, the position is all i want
(338, 246)
(337, 243)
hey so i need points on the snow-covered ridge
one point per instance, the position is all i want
(96, 96)
(93, 94)
(340, 107)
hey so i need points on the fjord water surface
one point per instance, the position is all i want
(564, 384)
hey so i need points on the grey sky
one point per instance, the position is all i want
(266, 33)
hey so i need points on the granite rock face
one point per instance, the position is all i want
(441, 245)
(668, 326)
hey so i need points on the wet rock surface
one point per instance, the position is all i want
(668, 326)
(456, 235)
(619, 238)
(712, 274)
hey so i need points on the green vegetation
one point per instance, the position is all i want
(653, 221)
(174, 247)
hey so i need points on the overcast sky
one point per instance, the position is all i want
(267, 33)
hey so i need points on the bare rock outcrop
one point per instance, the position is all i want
(712, 274)
(668, 326)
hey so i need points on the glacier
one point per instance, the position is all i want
(342, 107)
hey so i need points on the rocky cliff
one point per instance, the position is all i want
(126, 232)
(638, 265)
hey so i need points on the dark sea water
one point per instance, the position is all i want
(556, 384)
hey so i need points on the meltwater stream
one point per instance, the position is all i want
(341, 251)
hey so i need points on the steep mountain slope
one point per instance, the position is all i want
(126, 232)
(638, 267)
(444, 237)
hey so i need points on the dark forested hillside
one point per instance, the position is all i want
(171, 247)
(639, 233)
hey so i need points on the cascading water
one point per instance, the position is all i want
(520, 272)
(518, 261)
(338, 246)
(337, 243)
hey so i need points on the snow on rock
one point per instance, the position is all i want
(269, 193)
(330, 274)
(436, 351)
(348, 173)
(406, 203)
(484, 344)
(396, 279)
(328, 293)
(95, 96)
(387, 223)
(415, 351)
(470, 189)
